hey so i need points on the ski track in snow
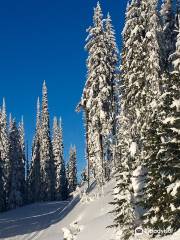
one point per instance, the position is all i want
(45, 221)
(14, 228)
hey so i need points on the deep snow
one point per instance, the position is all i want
(87, 218)
(83, 218)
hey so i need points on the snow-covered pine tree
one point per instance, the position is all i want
(139, 141)
(110, 96)
(98, 96)
(2, 190)
(27, 168)
(72, 169)
(61, 190)
(149, 134)
(4, 148)
(63, 177)
(22, 139)
(57, 153)
(46, 152)
(166, 203)
(129, 141)
(17, 171)
(23, 155)
(154, 202)
(34, 177)
(96, 47)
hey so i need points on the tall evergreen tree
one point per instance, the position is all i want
(164, 212)
(72, 169)
(110, 96)
(4, 148)
(46, 152)
(27, 168)
(149, 133)
(98, 95)
(34, 178)
(2, 190)
(139, 140)
(132, 80)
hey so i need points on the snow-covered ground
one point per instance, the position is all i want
(29, 221)
(87, 218)
(84, 218)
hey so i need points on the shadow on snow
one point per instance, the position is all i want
(34, 218)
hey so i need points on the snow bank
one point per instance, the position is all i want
(91, 216)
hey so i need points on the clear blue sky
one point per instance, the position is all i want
(42, 39)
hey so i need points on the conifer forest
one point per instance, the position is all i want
(130, 106)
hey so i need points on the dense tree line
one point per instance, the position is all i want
(132, 115)
(45, 177)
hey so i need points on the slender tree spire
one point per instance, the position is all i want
(47, 162)
(4, 148)
(4, 116)
(72, 171)
(38, 115)
(45, 112)
(22, 138)
(3, 159)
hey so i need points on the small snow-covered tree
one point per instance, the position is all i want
(23, 155)
(61, 189)
(46, 152)
(17, 171)
(72, 169)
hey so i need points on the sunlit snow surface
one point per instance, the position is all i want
(86, 219)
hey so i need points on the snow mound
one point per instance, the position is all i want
(91, 217)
